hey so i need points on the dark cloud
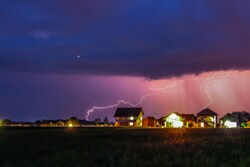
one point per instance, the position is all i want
(138, 38)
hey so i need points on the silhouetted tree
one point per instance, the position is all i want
(97, 121)
(106, 121)
(5, 122)
(241, 117)
(37, 122)
(74, 121)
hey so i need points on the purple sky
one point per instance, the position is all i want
(60, 59)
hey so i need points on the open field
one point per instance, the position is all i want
(109, 147)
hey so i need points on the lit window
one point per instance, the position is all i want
(230, 124)
(177, 124)
(131, 123)
(131, 118)
(202, 124)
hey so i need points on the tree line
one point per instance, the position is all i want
(72, 121)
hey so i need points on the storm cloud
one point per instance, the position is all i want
(153, 39)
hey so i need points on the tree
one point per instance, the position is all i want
(73, 121)
(97, 121)
(5, 122)
(106, 121)
(241, 117)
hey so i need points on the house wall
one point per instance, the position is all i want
(207, 121)
(149, 122)
(190, 124)
(139, 119)
(162, 122)
(125, 121)
(174, 121)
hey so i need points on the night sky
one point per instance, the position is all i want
(62, 58)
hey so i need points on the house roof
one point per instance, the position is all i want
(150, 118)
(162, 118)
(128, 112)
(207, 111)
(188, 116)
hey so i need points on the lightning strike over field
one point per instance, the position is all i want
(204, 84)
(107, 107)
(127, 103)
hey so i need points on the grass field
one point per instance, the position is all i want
(78, 147)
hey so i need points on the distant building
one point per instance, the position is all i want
(207, 118)
(228, 121)
(149, 122)
(128, 116)
(176, 120)
(162, 122)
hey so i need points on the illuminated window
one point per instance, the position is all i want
(131, 118)
(131, 123)
(202, 124)
(230, 124)
(177, 124)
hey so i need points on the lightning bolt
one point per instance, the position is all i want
(212, 81)
(128, 103)
(165, 89)
(107, 107)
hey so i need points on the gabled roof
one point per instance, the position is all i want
(207, 111)
(128, 112)
(188, 116)
(150, 118)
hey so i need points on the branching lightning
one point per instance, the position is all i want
(169, 88)
(128, 103)
(212, 80)
(107, 107)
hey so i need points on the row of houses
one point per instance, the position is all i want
(205, 118)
